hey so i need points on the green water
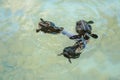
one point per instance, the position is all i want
(27, 55)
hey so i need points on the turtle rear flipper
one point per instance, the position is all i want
(69, 60)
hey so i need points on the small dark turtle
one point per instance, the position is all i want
(48, 27)
(70, 53)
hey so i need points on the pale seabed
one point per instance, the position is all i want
(27, 55)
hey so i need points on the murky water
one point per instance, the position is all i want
(27, 55)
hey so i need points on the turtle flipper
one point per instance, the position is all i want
(95, 36)
(42, 20)
(69, 60)
(90, 22)
(37, 30)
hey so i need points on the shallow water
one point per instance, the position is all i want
(27, 55)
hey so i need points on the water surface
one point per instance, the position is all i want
(27, 55)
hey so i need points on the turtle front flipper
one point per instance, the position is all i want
(90, 22)
(95, 36)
